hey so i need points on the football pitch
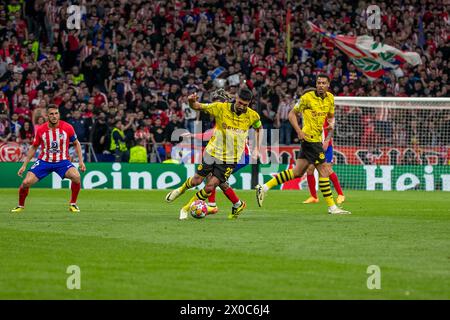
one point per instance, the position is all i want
(131, 245)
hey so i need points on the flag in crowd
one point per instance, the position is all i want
(374, 59)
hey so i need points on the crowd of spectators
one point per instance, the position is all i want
(132, 63)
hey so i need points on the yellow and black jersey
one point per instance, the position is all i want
(314, 110)
(230, 133)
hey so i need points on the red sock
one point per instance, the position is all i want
(75, 190)
(231, 195)
(337, 186)
(312, 185)
(23, 193)
(212, 197)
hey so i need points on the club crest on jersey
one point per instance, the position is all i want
(321, 156)
(61, 136)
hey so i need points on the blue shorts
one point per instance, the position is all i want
(245, 160)
(43, 168)
(329, 154)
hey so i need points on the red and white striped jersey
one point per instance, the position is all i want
(54, 142)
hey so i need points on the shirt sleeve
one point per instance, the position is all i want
(71, 133)
(300, 105)
(212, 108)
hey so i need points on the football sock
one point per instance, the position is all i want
(75, 190)
(23, 193)
(325, 188)
(186, 185)
(312, 185)
(280, 178)
(212, 198)
(336, 184)
(231, 195)
(201, 195)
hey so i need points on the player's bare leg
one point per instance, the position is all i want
(24, 188)
(299, 170)
(311, 185)
(324, 185)
(73, 175)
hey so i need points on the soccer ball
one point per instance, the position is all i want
(198, 209)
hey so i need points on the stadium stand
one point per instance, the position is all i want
(136, 61)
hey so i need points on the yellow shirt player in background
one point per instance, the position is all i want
(315, 106)
(224, 149)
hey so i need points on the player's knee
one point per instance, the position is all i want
(297, 172)
(224, 186)
(209, 187)
(26, 183)
(196, 180)
(76, 179)
(324, 172)
(310, 170)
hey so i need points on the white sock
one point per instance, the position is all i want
(237, 204)
(212, 204)
(265, 188)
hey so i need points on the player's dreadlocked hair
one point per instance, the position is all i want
(221, 95)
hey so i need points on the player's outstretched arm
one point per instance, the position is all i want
(77, 146)
(31, 153)
(193, 103)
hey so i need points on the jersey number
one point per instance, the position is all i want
(228, 172)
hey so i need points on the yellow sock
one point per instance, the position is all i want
(186, 185)
(280, 178)
(201, 195)
(325, 188)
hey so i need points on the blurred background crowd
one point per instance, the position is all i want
(122, 79)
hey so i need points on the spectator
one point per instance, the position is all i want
(138, 153)
(26, 133)
(282, 120)
(159, 138)
(101, 140)
(80, 126)
(15, 126)
(118, 145)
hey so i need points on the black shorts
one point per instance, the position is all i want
(313, 152)
(216, 167)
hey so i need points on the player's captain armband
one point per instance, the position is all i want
(73, 138)
(257, 124)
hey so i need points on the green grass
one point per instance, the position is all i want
(130, 245)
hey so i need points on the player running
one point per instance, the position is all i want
(54, 137)
(328, 148)
(315, 106)
(220, 95)
(224, 149)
